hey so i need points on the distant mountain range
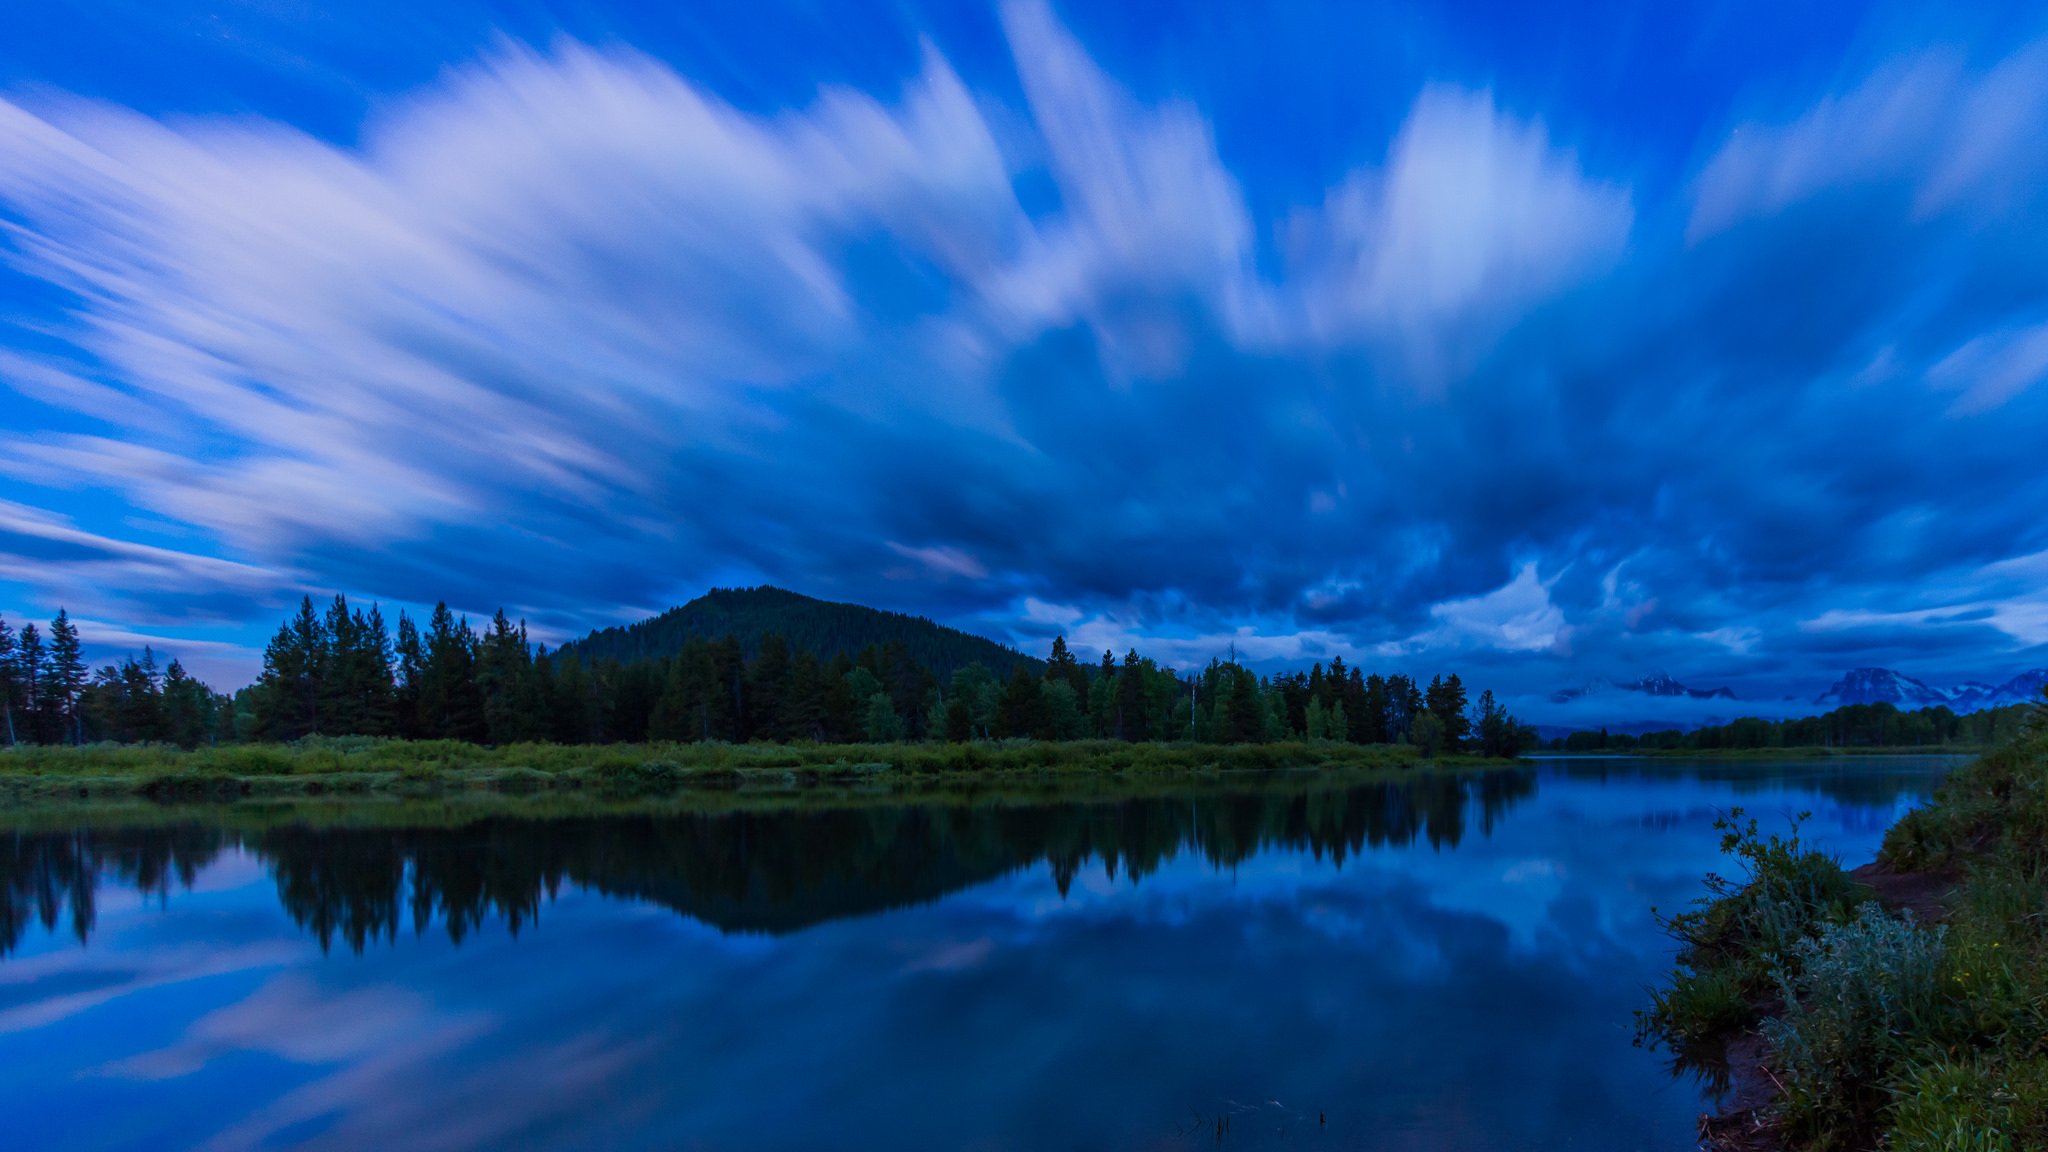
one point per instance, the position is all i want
(1657, 685)
(824, 627)
(1884, 686)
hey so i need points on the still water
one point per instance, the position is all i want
(1434, 962)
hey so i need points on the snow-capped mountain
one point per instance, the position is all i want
(1660, 684)
(1884, 686)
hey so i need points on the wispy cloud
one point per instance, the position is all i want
(569, 330)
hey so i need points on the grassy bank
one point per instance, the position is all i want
(1876, 1025)
(353, 766)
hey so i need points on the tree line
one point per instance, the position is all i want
(48, 696)
(343, 670)
(1850, 726)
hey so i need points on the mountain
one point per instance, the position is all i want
(824, 627)
(1884, 686)
(1660, 684)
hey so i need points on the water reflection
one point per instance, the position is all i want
(1444, 962)
(767, 871)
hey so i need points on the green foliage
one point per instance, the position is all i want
(1738, 938)
(341, 672)
(1427, 733)
(1697, 1004)
(1851, 726)
(1851, 993)
(1972, 1103)
(1888, 1032)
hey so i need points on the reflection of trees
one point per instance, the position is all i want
(768, 871)
(44, 876)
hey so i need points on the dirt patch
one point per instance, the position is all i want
(1745, 1122)
(1925, 894)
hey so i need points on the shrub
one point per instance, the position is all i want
(1854, 994)
(1784, 891)
(1697, 1004)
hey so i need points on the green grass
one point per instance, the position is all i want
(1880, 1032)
(353, 766)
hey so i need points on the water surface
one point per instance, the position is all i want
(1431, 962)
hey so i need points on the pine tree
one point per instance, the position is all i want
(1130, 699)
(1247, 714)
(803, 713)
(504, 666)
(10, 680)
(67, 677)
(188, 708)
(1062, 665)
(1022, 710)
(1446, 699)
(32, 666)
(412, 669)
(768, 691)
(451, 706)
(287, 695)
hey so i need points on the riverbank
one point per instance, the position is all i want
(1814, 752)
(1903, 1005)
(354, 766)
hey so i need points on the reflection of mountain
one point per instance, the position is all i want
(749, 871)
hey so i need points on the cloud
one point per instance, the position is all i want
(566, 330)
(1474, 217)
(1922, 121)
(1993, 368)
(1518, 617)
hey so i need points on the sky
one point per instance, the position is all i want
(1550, 347)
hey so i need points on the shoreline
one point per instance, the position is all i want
(1745, 1121)
(537, 777)
(1898, 1005)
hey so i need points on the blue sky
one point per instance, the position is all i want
(1545, 346)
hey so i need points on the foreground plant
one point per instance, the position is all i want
(1879, 1031)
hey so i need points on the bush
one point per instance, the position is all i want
(1783, 893)
(1854, 994)
(1696, 1005)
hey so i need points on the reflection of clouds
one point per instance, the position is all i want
(953, 956)
(1464, 997)
(377, 1101)
(101, 979)
(293, 1019)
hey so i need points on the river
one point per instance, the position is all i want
(1433, 961)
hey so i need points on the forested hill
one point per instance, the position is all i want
(822, 627)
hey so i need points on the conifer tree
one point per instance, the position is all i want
(503, 669)
(34, 667)
(10, 681)
(451, 707)
(412, 669)
(67, 677)
(188, 708)
(1130, 699)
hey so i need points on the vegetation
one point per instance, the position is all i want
(1880, 1030)
(1858, 727)
(342, 672)
(342, 765)
(360, 870)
